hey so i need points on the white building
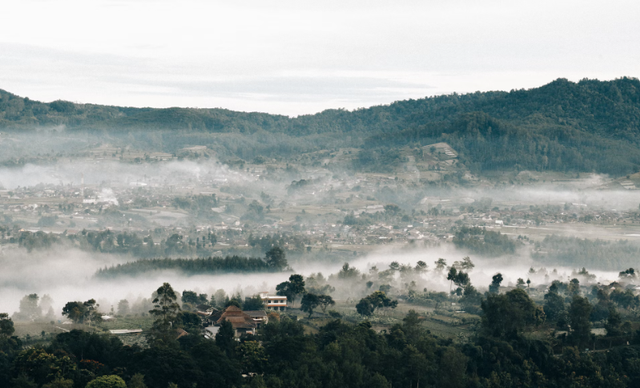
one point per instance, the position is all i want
(274, 302)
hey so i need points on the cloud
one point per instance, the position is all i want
(244, 56)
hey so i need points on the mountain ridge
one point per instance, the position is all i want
(588, 125)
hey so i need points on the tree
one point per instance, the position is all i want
(628, 274)
(137, 381)
(81, 312)
(625, 299)
(451, 276)
(579, 313)
(441, 264)
(276, 258)
(174, 243)
(189, 321)
(416, 363)
(348, 272)
(219, 298)
(507, 314)
(613, 323)
(309, 303)
(292, 288)
(421, 267)
(92, 310)
(452, 368)
(192, 300)
(574, 287)
(6, 326)
(467, 264)
(471, 298)
(494, 287)
(225, 337)
(189, 297)
(23, 381)
(75, 311)
(253, 303)
(317, 284)
(29, 309)
(166, 311)
(368, 305)
(602, 308)
(554, 306)
(123, 307)
(165, 306)
(108, 381)
(461, 279)
(325, 301)
(392, 209)
(43, 367)
(364, 307)
(59, 382)
(255, 212)
(253, 357)
(235, 301)
(377, 381)
(411, 325)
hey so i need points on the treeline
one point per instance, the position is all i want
(577, 252)
(210, 265)
(275, 260)
(266, 242)
(484, 242)
(598, 106)
(108, 241)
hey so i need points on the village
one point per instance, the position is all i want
(146, 209)
(331, 215)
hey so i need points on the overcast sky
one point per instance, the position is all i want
(299, 57)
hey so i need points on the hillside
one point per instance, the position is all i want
(562, 126)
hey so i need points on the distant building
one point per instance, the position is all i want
(211, 331)
(125, 331)
(181, 333)
(258, 316)
(242, 323)
(274, 302)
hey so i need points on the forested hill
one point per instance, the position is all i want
(586, 126)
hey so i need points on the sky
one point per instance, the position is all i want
(301, 57)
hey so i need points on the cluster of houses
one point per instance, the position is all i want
(243, 322)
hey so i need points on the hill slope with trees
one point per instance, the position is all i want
(586, 126)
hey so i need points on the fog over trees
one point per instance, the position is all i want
(479, 240)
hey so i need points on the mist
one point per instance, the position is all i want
(304, 200)
(109, 173)
(68, 275)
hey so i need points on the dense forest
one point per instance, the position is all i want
(209, 265)
(340, 354)
(562, 126)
